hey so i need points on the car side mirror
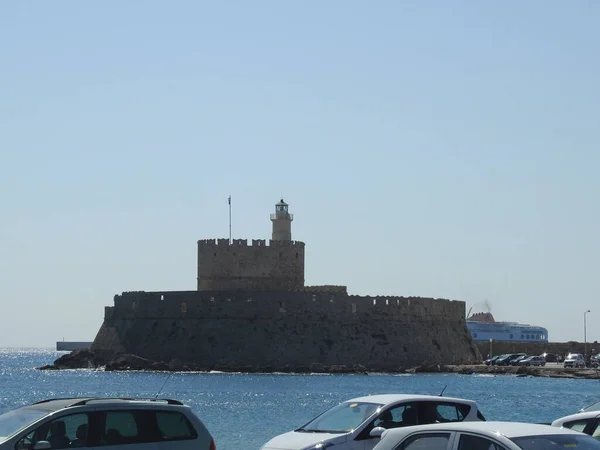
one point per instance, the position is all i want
(42, 445)
(377, 432)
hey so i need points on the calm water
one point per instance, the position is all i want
(244, 411)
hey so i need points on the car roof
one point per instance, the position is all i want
(54, 404)
(507, 429)
(391, 398)
(578, 416)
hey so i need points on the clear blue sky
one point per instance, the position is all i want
(445, 149)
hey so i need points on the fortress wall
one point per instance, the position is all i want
(272, 330)
(278, 265)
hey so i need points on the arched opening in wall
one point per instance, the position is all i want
(387, 302)
(183, 306)
(397, 302)
(162, 297)
(296, 255)
(133, 306)
(374, 301)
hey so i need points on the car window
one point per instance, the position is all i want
(173, 425)
(577, 425)
(575, 441)
(63, 432)
(427, 441)
(470, 442)
(452, 412)
(127, 427)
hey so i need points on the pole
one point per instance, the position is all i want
(229, 201)
(585, 335)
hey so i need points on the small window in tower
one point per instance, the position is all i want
(214, 254)
(162, 297)
(296, 254)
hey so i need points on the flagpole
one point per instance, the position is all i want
(229, 201)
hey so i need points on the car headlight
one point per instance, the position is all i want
(320, 446)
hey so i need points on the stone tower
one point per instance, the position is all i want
(282, 222)
(239, 265)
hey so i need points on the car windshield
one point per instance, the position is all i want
(342, 418)
(557, 441)
(13, 421)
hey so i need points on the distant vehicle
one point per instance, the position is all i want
(491, 361)
(533, 361)
(587, 422)
(506, 360)
(574, 360)
(485, 436)
(518, 359)
(359, 422)
(115, 423)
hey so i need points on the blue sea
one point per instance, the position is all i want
(246, 410)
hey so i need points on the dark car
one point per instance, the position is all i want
(506, 360)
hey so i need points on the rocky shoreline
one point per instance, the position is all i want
(109, 361)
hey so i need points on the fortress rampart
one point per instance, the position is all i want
(239, 266)
(283, 330)
(252, 311)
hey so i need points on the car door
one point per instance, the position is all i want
(64, 431)
(125, 429)
(400, 415)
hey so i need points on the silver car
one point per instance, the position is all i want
(485, 436)
(121, 423)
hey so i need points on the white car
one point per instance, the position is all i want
(114, 423)
(358, 423)
(574, 360)
(485, 436)
(587, 422)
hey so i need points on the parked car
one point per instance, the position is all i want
(518, 359)
(550, 357)
(506, 360)
(587, 422)
(574, 360)
(533, 361)
(485, 436)
(492, 360)
(364, 419)
(120, 423)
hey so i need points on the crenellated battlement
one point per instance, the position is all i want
(313, 306)
(224, 243)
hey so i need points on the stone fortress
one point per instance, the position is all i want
(252, 312)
